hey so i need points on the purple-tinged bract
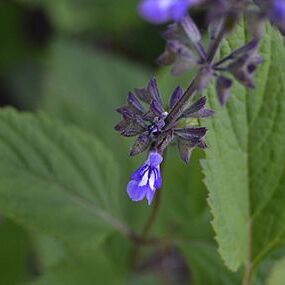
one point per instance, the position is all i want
(161, 11)
(146, 180)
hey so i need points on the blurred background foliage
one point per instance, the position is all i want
(76, 60)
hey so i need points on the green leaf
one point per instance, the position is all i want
(244, 164)
(59, 264)
(14, 45)
(206, 265)
(49, 251)
(75, 17)
(56, 180)
(277, 274)
(88, 269)
(16, 263)
(184, 212)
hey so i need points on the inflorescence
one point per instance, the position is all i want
(156, 125)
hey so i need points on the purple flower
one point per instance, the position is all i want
(146, 180)
(277, 13)
(160, 11)
(278, 10)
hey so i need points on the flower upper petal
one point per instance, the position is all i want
(139, 173)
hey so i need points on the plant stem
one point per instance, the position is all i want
(151, 219)
(142, 239)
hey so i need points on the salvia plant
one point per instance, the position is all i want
(206, 203)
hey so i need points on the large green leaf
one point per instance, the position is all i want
(244, 164)
(56, 180)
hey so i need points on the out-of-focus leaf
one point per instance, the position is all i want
(49, 251)
(206, 265)
(16, 254)
(108, 264)
(85, 15)
(185, 213)
(13, 45)
(56, 180)
(24, 84)
(87, 270)
(277, 274)
(263, 270)
(85, 87)
(244, 165)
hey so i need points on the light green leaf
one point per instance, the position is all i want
(244, 164)
(56, 180)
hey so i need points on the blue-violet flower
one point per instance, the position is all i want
(146, 180)
(278, 13)
(161, 11)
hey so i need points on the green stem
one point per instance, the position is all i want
(142, 239)
(154, 213)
